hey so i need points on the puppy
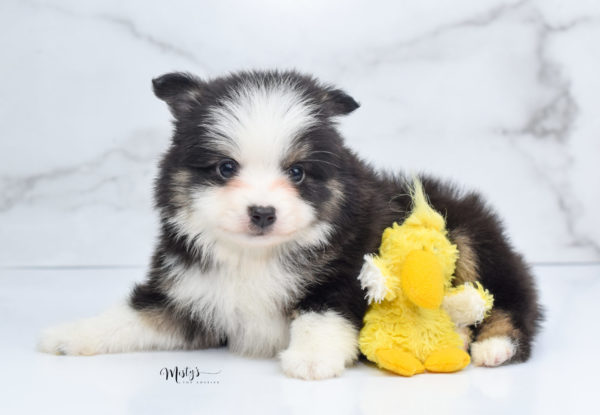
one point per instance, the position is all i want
(265, 218)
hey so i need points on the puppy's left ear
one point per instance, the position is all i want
(337, 102)
(181, 91)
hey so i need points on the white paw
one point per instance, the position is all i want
(493, 351)
(118, 329)
(311, 365)
(372, 280)
(70, 339)
(321, 346)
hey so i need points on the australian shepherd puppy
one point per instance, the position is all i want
(266, 216)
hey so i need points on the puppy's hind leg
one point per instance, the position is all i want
(498, 341)
(119, 329)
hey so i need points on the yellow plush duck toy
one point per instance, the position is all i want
(409, 326)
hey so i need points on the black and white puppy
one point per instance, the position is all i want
(265, 219)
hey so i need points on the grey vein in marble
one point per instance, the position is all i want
(478, 20)
(26, 189)
(126, 25)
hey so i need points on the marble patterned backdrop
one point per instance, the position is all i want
(502, 96)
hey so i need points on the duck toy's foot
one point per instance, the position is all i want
(398, 361)
(447, 360)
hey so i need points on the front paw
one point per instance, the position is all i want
(321, 346)
(310, 365)
(69, 339)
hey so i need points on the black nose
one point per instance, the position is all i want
(262, 216)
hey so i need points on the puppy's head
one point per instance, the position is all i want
(255, 158)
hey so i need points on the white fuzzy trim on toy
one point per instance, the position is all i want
(467, 305)
(372, 280)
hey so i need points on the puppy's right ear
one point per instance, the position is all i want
(337, 102)
(181, 91)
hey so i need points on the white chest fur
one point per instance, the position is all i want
(244, 300)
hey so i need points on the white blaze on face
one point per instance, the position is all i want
(261, 122)
(256, 127)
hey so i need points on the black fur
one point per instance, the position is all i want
(501, 270)
(372, 201)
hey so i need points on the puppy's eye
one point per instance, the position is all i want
(227, 168)
(296, 173)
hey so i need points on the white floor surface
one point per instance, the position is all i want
(561, 377)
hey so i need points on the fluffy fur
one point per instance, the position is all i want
(321, 346)
(267, 142)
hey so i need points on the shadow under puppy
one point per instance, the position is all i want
(265, 218)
